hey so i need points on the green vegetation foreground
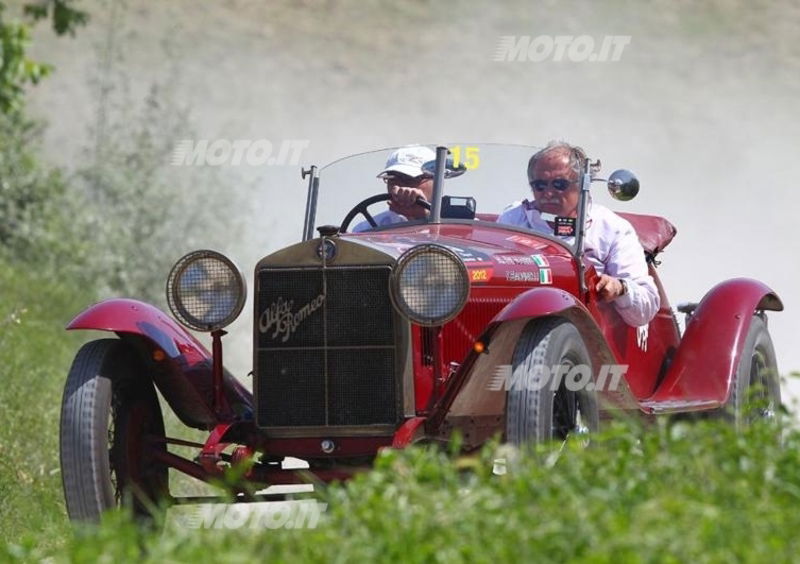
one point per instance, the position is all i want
(674, 493)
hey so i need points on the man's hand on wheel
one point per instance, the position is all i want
(403, 199)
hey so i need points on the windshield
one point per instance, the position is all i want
(496, 176)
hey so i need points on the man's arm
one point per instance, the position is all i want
(640, 301)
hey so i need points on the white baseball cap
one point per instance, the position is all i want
(409, 160)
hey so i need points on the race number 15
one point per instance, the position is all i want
(467, 155)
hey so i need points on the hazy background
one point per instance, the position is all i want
(703, 106)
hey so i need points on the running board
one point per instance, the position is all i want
(288, 496)
(676, 406)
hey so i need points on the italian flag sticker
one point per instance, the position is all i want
(545, 276)
(539, 260)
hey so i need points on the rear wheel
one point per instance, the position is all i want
(535, 412)
(755, 390)
(111, 424)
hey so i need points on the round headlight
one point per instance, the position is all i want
(429, 285)
(205, 291)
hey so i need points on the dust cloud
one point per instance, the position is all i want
(702, 105)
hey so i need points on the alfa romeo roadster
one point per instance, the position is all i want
(393, 335)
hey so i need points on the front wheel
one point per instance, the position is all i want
(111, 424)
(539, 405)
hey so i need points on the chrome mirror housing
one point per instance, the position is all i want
(623, 185)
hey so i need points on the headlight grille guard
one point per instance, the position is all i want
(437, 253)
(221, 274)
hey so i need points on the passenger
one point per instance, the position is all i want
(610, 242)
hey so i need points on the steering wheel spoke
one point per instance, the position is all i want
(369, 218)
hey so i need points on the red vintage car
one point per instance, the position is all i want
(395, 335)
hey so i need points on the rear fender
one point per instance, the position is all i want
(469, 395)
(705, 363)
(183, 376)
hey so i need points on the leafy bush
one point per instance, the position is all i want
(39, 220)
(670, 493)
(118, 223)
(40, 223)
(119, 219)
(143, 213)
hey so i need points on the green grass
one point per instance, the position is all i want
(685, 492)
(35, 354)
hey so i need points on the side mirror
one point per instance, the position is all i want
(450, 171)
(623, 185)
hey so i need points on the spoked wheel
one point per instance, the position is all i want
(572, 413)
(535, 413)
(111, 424)
(755, 391)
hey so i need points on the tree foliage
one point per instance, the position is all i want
(16, 69)
(140, 212)
(117, 221)
(35, 211)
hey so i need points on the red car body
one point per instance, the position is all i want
(447, 395)
(419, 383)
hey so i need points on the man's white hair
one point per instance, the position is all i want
(577, 157)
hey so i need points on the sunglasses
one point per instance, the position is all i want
(404, 180)
(559, 184)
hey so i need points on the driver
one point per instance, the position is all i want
(611, 244)
(405, 181)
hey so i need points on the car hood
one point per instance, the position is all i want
(474, 242)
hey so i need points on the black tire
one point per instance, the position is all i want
(535, 413)
(109, 414)
(756, 391)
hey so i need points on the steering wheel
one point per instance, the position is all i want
(361, 208)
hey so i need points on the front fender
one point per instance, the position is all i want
(705, 363)
(468, 396)
(542, 302)
(184, 376)
(139, 318)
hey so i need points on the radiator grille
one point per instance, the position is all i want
(325, 345)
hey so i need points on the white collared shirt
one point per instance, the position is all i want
(612, 247)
